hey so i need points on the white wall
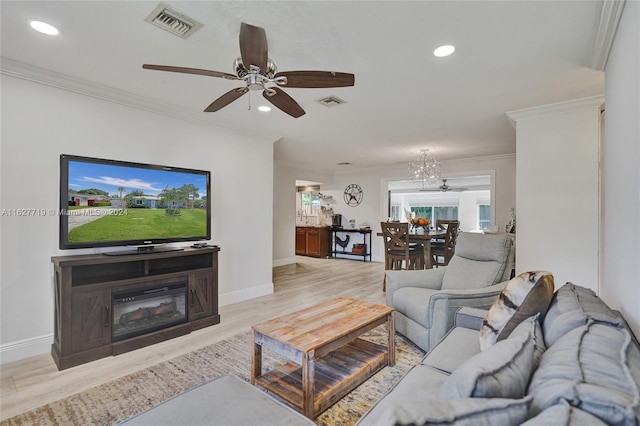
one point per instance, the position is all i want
(558, 208)
(40, 122)
(621, 233)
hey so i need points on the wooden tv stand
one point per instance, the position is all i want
(83, 296)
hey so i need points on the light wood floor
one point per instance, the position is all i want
(35, 381)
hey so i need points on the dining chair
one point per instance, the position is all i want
(399, 252)
(441, 224)
(442, 250)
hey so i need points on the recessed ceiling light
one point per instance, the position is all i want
(44, 28)
(445, 50)
(264, 108)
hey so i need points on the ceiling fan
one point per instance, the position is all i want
(257, 70)
(444, 188)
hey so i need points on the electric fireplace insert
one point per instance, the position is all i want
(141, 311)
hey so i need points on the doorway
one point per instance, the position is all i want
(467, 198)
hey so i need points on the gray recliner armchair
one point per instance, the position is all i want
(426, 300)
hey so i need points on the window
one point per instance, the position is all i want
(446, 213)
(484, 216)
(434, 213)
(395, 213)
(423, 211)
(309, 203)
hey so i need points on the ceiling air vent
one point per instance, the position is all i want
(174, 22)
(331, 101)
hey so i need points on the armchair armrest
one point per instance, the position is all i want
(470, 318)
(421, 278)
(444, 304)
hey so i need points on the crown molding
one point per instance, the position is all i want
(556, 108)
(50, 78)
(607, 26)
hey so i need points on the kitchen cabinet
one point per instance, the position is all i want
(313, 241)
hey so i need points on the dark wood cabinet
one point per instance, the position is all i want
(91, 321)
(201, 297)
(301, 240)
(87, 285)
(313, 241)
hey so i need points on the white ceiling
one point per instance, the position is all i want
(510, 55)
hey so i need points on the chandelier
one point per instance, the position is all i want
(424, 170)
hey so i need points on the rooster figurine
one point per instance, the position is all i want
(342, 243)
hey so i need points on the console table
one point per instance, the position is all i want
(366, 240)
(86, 287)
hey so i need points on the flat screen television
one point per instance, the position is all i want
(106, 203)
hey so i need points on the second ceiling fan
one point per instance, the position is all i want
(444, 188)
(258, 71)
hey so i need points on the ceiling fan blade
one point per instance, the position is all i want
(185, 70)
(253, 47)
(311, 79)
(226, 99)
(283, 101)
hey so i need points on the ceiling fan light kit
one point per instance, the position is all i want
(259, 72)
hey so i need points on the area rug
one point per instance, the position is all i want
(116, 401)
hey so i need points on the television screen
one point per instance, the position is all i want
(116, 203)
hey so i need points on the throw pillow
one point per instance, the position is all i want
(503, 371)
(461, 412)
(574, 306)
(595, 367)
(527, 294)
(563, 414)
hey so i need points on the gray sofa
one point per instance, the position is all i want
(426, 300)
(580, 365)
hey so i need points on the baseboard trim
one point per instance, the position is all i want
(284, 261)
(246, 294)
(15, 351)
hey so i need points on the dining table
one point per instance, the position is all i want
(424, 238)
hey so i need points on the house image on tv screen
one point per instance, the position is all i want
(82, 200)
(151, 201)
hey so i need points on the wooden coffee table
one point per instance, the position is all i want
(328, 358)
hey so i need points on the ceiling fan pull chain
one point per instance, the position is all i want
(249, 101)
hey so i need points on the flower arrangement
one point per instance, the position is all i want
(420, 222)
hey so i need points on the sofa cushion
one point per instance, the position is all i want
(421, 383)
(459, 345)
(479, 261)
(595, 367)
(461, 412)
(526, 295)
(563, 414)
(502, 371)
(573, 306)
